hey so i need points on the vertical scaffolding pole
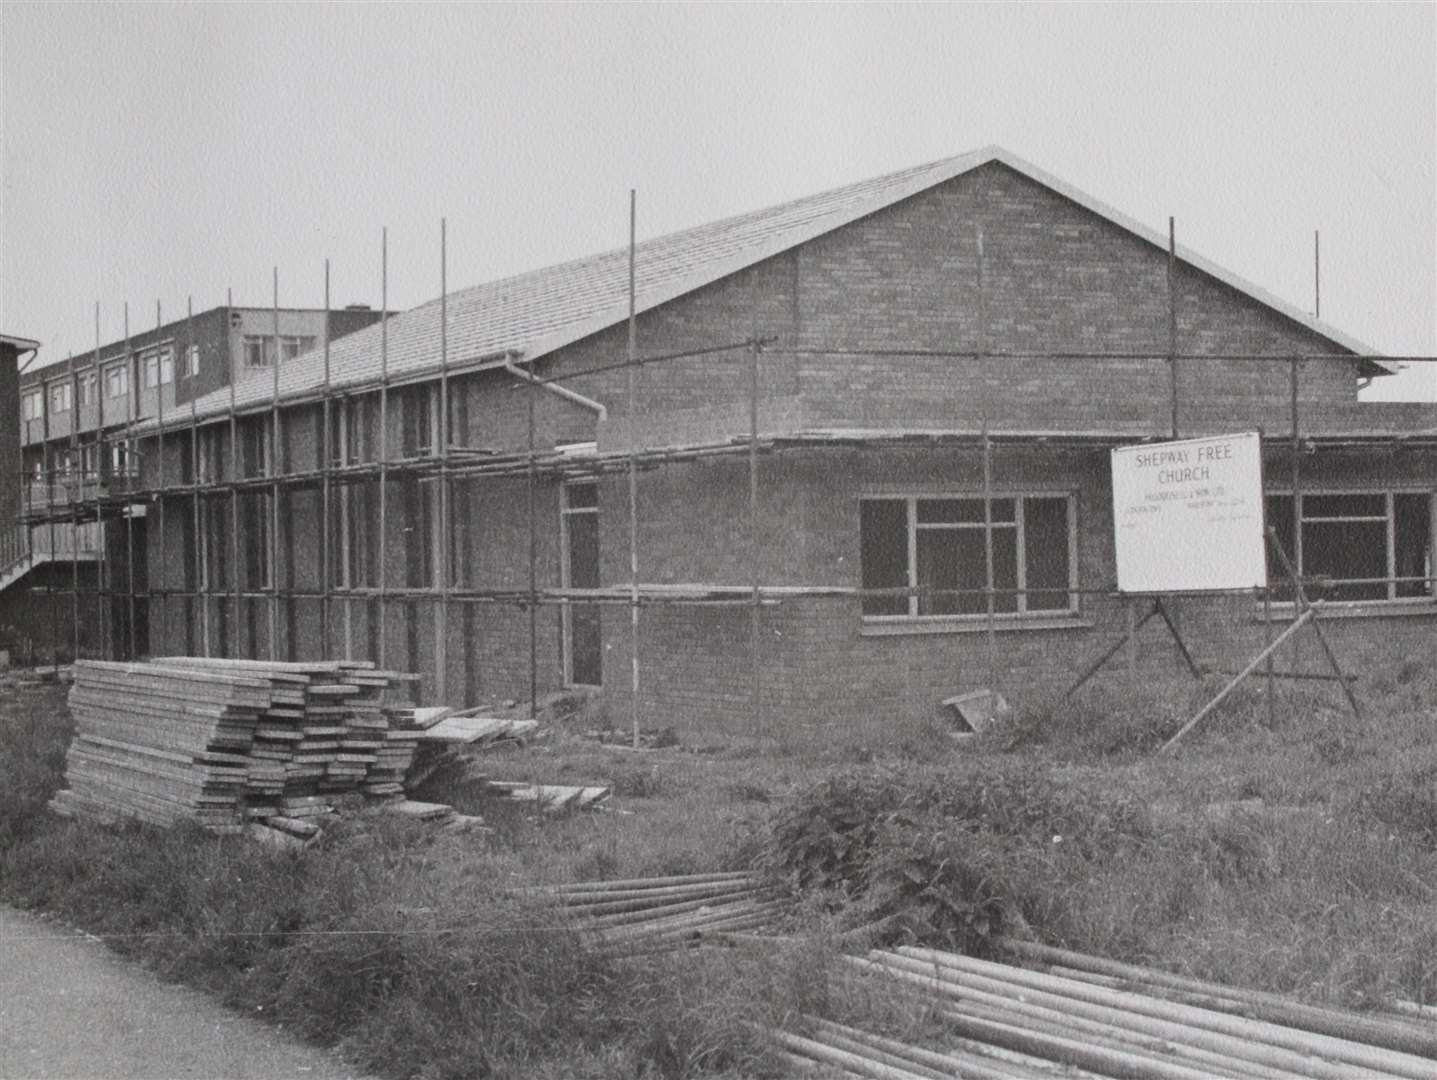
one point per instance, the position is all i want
(633, 473)
(102, 591)
(49, 458)
(441, 614)
(383, 433)
(234, 643)
(77, 464)
(201, 583)
(133, 409)
(160, 473)
(273, 545)
(326, 571)
(1173, 321)
(990, 622)
(754, 624)
(1296, 553)
(529, 391)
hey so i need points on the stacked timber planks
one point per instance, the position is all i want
(221, 741)
(321, 735)
(160, 743)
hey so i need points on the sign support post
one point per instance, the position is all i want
(1188, 518)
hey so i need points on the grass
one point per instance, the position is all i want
(1296, 854)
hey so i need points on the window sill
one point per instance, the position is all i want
(1359, 609)
(979, 625)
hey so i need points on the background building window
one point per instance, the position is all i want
(257, 351)
(61, 397)
(1356, 544)
(117, 380)
(86, 383)
(192, 361)
(940, 544)
(31, 405)
(159, 367)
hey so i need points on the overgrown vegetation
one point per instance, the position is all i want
(1296, 853)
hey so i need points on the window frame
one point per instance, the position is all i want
(32, 405)
(1388, 492)
(88, 385)
(117, 373)
(1019, 617)
(264, 343)
(61, 389)
(192, 361)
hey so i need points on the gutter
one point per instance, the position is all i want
(554, 388)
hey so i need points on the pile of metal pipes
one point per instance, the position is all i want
(642, 914)
(1003, 1020)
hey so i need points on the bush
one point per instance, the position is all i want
(961, 855)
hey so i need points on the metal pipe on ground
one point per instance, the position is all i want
(963, 1064)
(1057, 1015)
(1394, 1034)
(1365, 1055)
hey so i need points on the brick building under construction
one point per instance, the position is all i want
(860, 465)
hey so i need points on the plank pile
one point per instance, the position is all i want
(223, 741)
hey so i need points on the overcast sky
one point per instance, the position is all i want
(161, 151)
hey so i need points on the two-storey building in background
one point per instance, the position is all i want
(71, 446)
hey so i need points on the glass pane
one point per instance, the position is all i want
(939, 568)
(1344, 550)
(583, 551)
(581, 496)
(1045, 550)
(1321, 506)
(1279, 518)
(1412, 543)
(1005, 571)
(967, 511)
(950, 511)
(883, 550)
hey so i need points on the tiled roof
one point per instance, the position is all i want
(535, 313)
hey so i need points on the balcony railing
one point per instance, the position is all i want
(65, 490)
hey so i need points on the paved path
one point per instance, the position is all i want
(72, 1010)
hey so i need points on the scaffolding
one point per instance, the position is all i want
(111, 494)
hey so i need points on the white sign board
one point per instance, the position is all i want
(1187, 515)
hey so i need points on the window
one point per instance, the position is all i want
(32, 405)
(259, 348)
(122, 463)
(117, 380)
(254, 530)
(257, 351)
(1356, 546)
(86, 382)
(61, 397)
(192, 361)
(290, 347)
(159, 367)
(254, 447)
(416, 403)
(938, 545)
